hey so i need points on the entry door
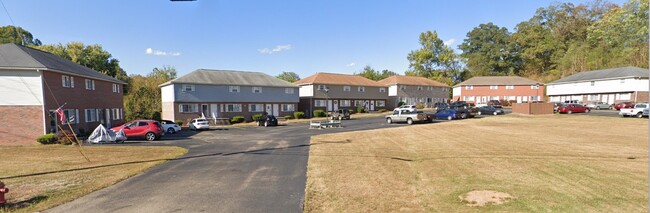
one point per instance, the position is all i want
(484, 99)
(336, 105)
(518, 99)
(269, 109)
(612, 99)
(213, 111)
(276, 109)
(603, 98)
(205, 113)
(108, 118)
(329, 105)
(372, 105)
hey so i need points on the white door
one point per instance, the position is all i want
(329, 105)
(214, 113)
(276, 109)
(518, 99)
(269, 109)
(612, 98)
(336, 105)
(603, 98)
(372, 105)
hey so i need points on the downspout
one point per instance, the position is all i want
(43, 111)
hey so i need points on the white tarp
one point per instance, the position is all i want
(102, 135)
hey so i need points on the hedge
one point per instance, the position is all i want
(360, 109)
(237, 119)
(256, 117)
(299, 115)
(287, 117)
(319, 113)
(47, 139)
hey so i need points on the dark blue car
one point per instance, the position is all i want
(448, 114)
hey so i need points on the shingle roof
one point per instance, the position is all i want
(498, 80)
(411, 80)
(17, 56)
(338, 79)
(230, 77)
(620, 72)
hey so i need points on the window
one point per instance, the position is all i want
(593, 97)
(510, 98)
(321, 87)
(402, 87)
(623, 96)
(510, 87)
(419, 87)
(468, 98)
(257, 89)
(91, 115)
(344, 103)
(346, 89)
(116, 113)
(444, 89)
(381, 103)
(188, 108)
(534, 86)
(593, 83)
(67, 81)
(320, 103)
(622, 81)
(256, 107)
(116, 88)
(187, 88)
(469, 87)
(90, 84)
(288, 107)
(494, 87)
(494, 98)
(382, 89)
(234, 88)
(288, 90)
(361, 89)
(71, 116)
(534, 98)
(428, 88)
(233, 107)
(358, 103)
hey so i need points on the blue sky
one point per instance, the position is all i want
(266, 36)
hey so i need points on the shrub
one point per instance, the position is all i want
(401, 103)
(256, 117)
(82, 132)
(63, 139)
(287, 117)
(299, 115)
(237, 119)
(319, 113)
(419, 105)
(47, 139)
(360, 109)
(179, 122)
(382, 110)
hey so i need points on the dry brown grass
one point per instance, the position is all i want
(547, 163)
(69, 176)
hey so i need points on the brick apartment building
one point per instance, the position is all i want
(36, 83)
(504, 88)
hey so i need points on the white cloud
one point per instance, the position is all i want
(150, 51)
(450, 42)
(351, 64)
(278, 48)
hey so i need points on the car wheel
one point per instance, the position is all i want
(171, 130)
(449, 118)
(389, 121)
(150, 136)
(639, 115)
(588, 111)
(495, 113)
(479, 113)
(266, 123)
(569, 112)
(463, 116)
(409, 121)
(598, 108)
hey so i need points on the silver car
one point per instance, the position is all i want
(598, 105)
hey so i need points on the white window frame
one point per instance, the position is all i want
(320, 103)
(289, 90)
(402, 87)
(345, 103)
(67, 81)
(234, 89)
(494, 87)
(91, 115)
(420, 88)
(469, 87)
(257, 89)
(116, 88)
(361, 89)
(191, 108)
(235, 108)
(258, 107)
(116, 113)
(592, 83)
(534, 87)
(288, 107)
(510, 87)
(321, 87)
(188, 88)
(382, 89)
(68, 118)
(347, 88)
(90, 84)
(380, 103)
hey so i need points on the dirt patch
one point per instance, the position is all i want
(484, 197)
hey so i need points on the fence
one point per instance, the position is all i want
(533, 108)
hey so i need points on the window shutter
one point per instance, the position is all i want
(71, 81)
(180, 108)
(63, 80)
(76, 116)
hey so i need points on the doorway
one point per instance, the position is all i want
(276, 109)
(269, 109)
(204, 110)
(213, 111)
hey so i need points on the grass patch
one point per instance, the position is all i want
(547, 163)
(42, 177)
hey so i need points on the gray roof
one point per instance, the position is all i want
(229, 77)
(17, 56)
(498, 80)
(613, 73)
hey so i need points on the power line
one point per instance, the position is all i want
(10, 19)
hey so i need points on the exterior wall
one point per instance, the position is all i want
(599, 87)
(336, 92)
(221, 93)
(533, 108)
(167, 93)
(457, 92)
(411, 95)
(21, 88)
(370, 96)
(30, 119)
(220, 112)
(306, 90)
(610, 98)
(482, 94)
(308, 105)
(392, 90)
(80, 99)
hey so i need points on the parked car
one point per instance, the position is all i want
(411, 108)
(645, 112)
(557, 106)
(598, 105)
(267, 120)
(440, 105)
(170, 126)
(199, 124)
(624, 105)
(495, 104)
(341, 114)
(448, 114)
(490, 110)
(469, 110)
(636, 111)
(148, 129)
(572, 108)
(407, 116)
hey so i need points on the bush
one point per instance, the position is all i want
(256, 117)
(287, 117)
(419, 105)
(319, 113)
(82, 132)
(47, 139)
(179, 122)
(237, 119)
(360, 109)
(382, 110)
(299, 115)
(63, 139)
(401, 103)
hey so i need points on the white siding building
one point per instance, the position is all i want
(608, 85)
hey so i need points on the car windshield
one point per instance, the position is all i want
(640, 106)
(200, 120)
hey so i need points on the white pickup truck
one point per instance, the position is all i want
(405, 115)
(636, 111)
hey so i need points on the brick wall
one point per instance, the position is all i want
(20, 125)
(501, 91)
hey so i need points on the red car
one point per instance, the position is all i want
(624, 105)
(147, 129)
(571, 108)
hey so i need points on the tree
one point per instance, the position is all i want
(488, 51)
(370, 73)
(288, 76)
(17, 35)
(145, 101)
(91, 56)
(434, 60)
